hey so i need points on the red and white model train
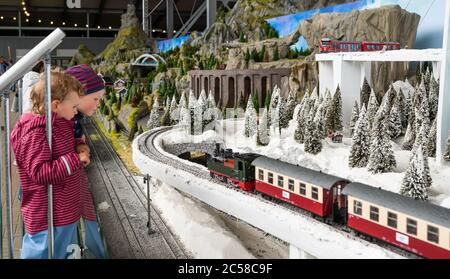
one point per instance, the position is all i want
(328, 45)
(416, 226)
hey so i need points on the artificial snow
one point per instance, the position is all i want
(203, 234)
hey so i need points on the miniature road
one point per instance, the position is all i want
(124, 222)
(148, 146)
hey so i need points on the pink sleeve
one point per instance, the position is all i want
(37, 160)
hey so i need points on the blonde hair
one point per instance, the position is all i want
(61, 86)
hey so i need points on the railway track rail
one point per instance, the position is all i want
(129, 200)
(148, 146)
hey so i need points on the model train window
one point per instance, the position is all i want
(374, 213)
(302, 189)
(261, 174)
(291, 184)
(314, 193)
(411, 226)
(357, 207)
(270, 178)
(392, 220)
(433, 234)
(240, 166)
(280, 181)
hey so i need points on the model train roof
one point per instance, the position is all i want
(429, 212)
(316, 178)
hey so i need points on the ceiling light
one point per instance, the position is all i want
(51, 22)
(153, 30)
(24, 8)
(64, 23)
(98, 27)
(75, 25)
(27, 20)
(39, 21)
(110, 27)
(1, 17)
(23, 2)
(164, 31)
(14, 18)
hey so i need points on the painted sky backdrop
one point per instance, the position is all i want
(166, 45)
(429, 34)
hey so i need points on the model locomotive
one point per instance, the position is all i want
(416, 226)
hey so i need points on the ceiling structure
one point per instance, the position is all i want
(95, 18)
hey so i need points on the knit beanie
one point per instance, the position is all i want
(87, 77)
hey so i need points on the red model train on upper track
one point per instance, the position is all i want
(328, 45)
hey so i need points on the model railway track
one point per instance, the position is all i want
(137, 236)
(147, 145)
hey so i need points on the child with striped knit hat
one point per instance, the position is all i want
(94, 89)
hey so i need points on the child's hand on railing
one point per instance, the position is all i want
(83, 148)
(84, 158)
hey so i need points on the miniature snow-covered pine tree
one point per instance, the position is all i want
(407, 110)
(319, 120)
(422, 141)
(360, 148)
(381, 157)
(263, 130)
(186, 120)
(290, 105)
(203, 103)
(426, 78)
(165, 119)
(274, 99)
(415, 184)
(284, 117)
(401, 107)
(250, 119)
(365, 93)
(174, 111)
(275, 126)
(354, 117)
(431, 143)
(447, 150)
(302, 115)
(433, 98)
(153, 121)
(372, 108)
(410, 137)
(394, 121)
(182, 102)
(313, 143)
(194, 110)
(198, 119)
(211, 113)
(333, 119)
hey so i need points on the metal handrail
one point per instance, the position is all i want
(11, 76)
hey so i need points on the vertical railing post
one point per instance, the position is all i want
(19, 95)
(48, 101)
(8, 182)
(1, 199)
(149, 222)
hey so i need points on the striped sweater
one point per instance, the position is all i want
(38, 167)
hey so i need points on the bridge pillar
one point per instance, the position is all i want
(349, 76)
(297, 253)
